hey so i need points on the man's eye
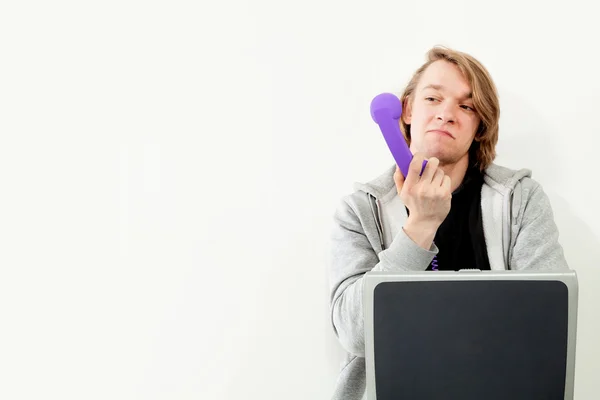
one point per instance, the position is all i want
(429, 99)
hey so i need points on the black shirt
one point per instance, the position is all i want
(460, 238)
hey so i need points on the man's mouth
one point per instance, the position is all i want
(442, 132)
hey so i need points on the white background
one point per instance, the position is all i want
(169, 170)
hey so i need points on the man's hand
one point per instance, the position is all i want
(427, 197)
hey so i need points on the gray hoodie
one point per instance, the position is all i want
(519, 230)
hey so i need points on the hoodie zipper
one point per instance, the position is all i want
(507, 226)
(375, 209)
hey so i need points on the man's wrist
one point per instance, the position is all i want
(421, 232)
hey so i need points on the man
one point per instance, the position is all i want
(463, 212)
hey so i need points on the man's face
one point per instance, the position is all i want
(442, 118)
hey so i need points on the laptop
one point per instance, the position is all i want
(470, 335)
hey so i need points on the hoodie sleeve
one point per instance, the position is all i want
(353, 255)
(536, 246)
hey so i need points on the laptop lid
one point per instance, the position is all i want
(470, 335)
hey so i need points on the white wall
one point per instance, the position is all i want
(169, 171)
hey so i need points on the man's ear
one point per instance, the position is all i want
(406, 111)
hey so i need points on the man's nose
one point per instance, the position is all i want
(446, 114)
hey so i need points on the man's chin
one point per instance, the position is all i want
(442, 156)
(442, 153)
(437, 153)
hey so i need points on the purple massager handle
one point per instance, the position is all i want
(386, 110)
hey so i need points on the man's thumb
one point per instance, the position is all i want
(398, 177)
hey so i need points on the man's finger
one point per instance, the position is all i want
(414, 169)
(438, 178)
(398, 178)
(447, 183)
(430, 168)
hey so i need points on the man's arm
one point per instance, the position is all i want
(352, 256)
(428, 198)
(536, 246)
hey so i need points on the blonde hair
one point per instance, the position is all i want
(485, 99)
